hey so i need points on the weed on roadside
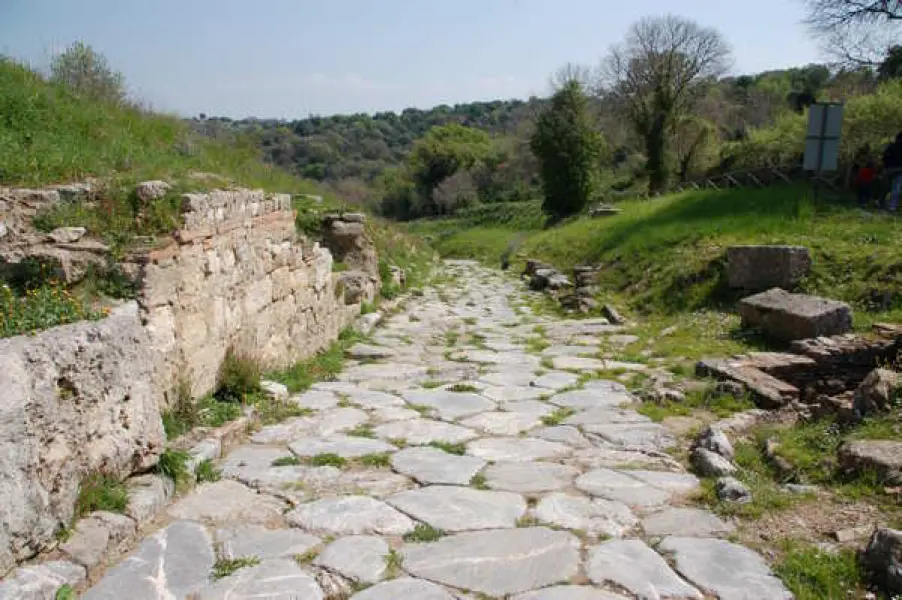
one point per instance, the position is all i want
(458, 449)
(227, 566)
(424, 533)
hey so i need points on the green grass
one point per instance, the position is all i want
(41, 307)
(50, 135)
(558, 416)
(393, 564)
(188, 413)
(813, 574)
(364, 430)
(379, 460)
(227, 566)
(479, 482)
(722, 405)
(206, 472)
(322, 367)
(328, 459)
(666, 257)
(286, 461)
(424, 533)
(463, 388)
(65, 592)
(458, 449)
(431, 384)
(174, 465)
(101, 492)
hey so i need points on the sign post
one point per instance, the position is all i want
(822, 140)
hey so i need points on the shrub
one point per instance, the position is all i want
(40, 308)
(101, 492)
(174, 465)
(238, 377)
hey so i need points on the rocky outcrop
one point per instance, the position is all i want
(78, 399)
(757, 268)
(883, 458)
(882, 559)
(237, 276)
(788, 317)
(878, 393)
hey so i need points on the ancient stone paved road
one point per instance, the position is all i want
(589, 508)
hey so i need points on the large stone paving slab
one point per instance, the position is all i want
(327, 422)
(502, 423)
(676, 483)
(253, 540)
(604, 455)
(37, 582)
(172, 563)
(635, 567)
(685, 521)
(590, 417)
(516, 449)
(496, 562)
(358, 557)
(570, 592)
(227, 502)
(529, 477)
(431, 465)
(594, 516)
(404, 588)
(452, 508)
(513, 393)
(346, 446)
(642, 435)
(531, 407)
(729, 571)
(555, 380)
(564, 434)
(450, 405)
(273, 579)
(614, 485)
(316, 400)
(424, 431)
(593, 398)
(504, 377)
(350, 515)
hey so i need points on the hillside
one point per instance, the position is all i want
(664, 259)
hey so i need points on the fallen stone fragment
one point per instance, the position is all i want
(709, 464)
(882, 559)
(732, 490)
(715, 440)
(359, 558)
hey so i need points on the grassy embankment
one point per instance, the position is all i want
(664, 259)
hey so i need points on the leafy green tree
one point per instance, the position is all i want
(87, 73)
(657, 76)
(443, 151)
(567, 147)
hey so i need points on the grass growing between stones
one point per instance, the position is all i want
(813, 574)
(722, 405)
(65, 592)
(207, 472)
(174, 465)
(227, 566)
(379, 461)
(431, 384)
(322, 367)
(365, 431)
(536, 345)
(187, 413)
(424, 533)
(479, 482)
(459, 449)
(286, 461)
(463, 387)
(558, 416)
(393, 564)
(328, 460)
(527, 521)
(101, 492)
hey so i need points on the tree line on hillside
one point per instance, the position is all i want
(659, 109)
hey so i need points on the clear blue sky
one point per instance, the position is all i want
(291, 58)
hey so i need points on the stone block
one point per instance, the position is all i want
(756, 268)
(882, 559)
(788, 317)
(77, 399)
(767, 391)
(882, 457)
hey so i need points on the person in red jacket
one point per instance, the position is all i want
(864, 182)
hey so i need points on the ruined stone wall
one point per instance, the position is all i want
(236, 276)
(76, 400)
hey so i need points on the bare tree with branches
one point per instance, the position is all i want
(856, 32)
(657, 75)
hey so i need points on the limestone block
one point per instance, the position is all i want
(790, 317)
(757, 268)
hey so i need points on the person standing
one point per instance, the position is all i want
(892, 165)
